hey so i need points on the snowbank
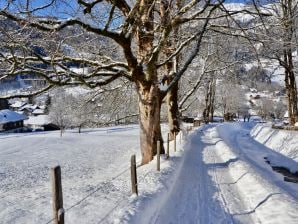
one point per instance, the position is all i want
(282, 141)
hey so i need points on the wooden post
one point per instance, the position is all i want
(181, 133)
(174, 141)
(158, 155)
(168, 146)
(57, 195)
(134, 181)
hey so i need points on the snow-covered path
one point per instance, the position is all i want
(224, 178)
(191, 199)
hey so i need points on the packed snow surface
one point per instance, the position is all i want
(217, 175)
(223, 178)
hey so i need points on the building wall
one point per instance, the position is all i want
(4, 104)
(13, 125)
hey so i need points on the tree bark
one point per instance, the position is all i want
(172, 95)
(150, 130)
(209, 100)
(146, 81)
(212, 96)
(173, 111)
(172, 102)
(290, 81)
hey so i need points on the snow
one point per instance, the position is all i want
(30, 107)
(78, 90)
(281, 141)
(37, 120)
(7, 116)
(88, 161)
(18, 104)
(217, 175)
(222, 178)
(242, 17)
(38, 111)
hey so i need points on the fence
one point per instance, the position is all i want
(57, 190)
(288, 128)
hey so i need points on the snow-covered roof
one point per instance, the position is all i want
(29, 106)
(38, 111)
(7, 116)
(17, 104)
(38, 120)
(42, 107)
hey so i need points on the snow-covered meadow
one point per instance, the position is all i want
(88, 161)
(95, 174)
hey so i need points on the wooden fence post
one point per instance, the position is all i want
(174, 141)
(181, 134)
(57, 195)
(134, 181)
(168, 146)
(158, 155)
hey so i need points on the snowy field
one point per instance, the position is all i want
(217, 175)
(88, 161)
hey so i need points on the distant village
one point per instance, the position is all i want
(27, 115)
(20, 115)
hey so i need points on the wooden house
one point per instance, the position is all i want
(10, 120)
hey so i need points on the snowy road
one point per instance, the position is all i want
(224, 179)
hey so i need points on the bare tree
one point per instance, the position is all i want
(279, 36)
(60, 111)
(140, 29)
(230, 98)
(265, 108)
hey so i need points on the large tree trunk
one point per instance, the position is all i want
(146, 82)
(172, 95)
(172, 101)
(213, 87)
(150, 131)
(291, 88)
(290, 81)
(173, 111)
(209, 101)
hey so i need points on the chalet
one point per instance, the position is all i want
(17, 105)
(28, 109)
(41, 122)
(11, 121)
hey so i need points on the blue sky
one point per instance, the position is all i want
(61, 10)
(66, 7)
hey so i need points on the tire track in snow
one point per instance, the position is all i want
(194, 197)
(218, 158)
